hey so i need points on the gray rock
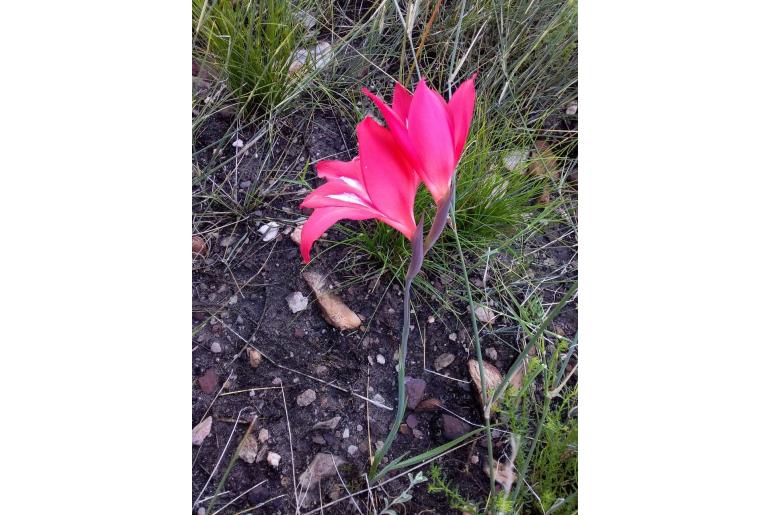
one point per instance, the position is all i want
(216, 347)
(323, 465)
(443, 361)
(328, 424)
(454, 427)
(415, 389)
(306, 398)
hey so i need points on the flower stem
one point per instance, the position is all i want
(401, 384)
(415, 265)
(477, 345)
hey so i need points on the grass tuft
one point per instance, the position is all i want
(251, 43)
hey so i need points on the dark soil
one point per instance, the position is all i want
(239, 299)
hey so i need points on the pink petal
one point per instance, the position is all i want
(407, 229)
(320, 197)
(337, 169)
(461, 113)
(397, 126)
(323, 218)
(401, 100)
(431, 134)
(388, 178)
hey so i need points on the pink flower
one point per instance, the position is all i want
(380, 185)
(430, 132)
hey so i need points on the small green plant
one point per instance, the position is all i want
(251, 44)
(405, 496)
(549, 461)
(440, 485)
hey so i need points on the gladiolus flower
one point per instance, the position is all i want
(380, 184)
(430, 132)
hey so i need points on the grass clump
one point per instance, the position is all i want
(251, 43)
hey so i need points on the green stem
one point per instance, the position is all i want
(401, 380)
(477, 344)
(415, 264)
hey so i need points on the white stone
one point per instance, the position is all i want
(274, 459)
(297, 302)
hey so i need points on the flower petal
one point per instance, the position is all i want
(335, 192)
(323, 218)
(431, 134)
(397, 126)
(388, 178)
(338, 169)
(461, 113)
(402, 98)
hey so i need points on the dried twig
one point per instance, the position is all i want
(291, 448)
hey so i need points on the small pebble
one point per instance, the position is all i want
(453, 337)
(352, 450)
(491, 353)
(380, 359)
(346, 433)
(216, 347)
(474, 459)
(359, 428)
(255, 357)
(297, 302)
(431, 319)
(274, 459)
(443, 361)
(306, 398)
(264, 434)
(379, 398)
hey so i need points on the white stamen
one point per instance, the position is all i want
(347, 197)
